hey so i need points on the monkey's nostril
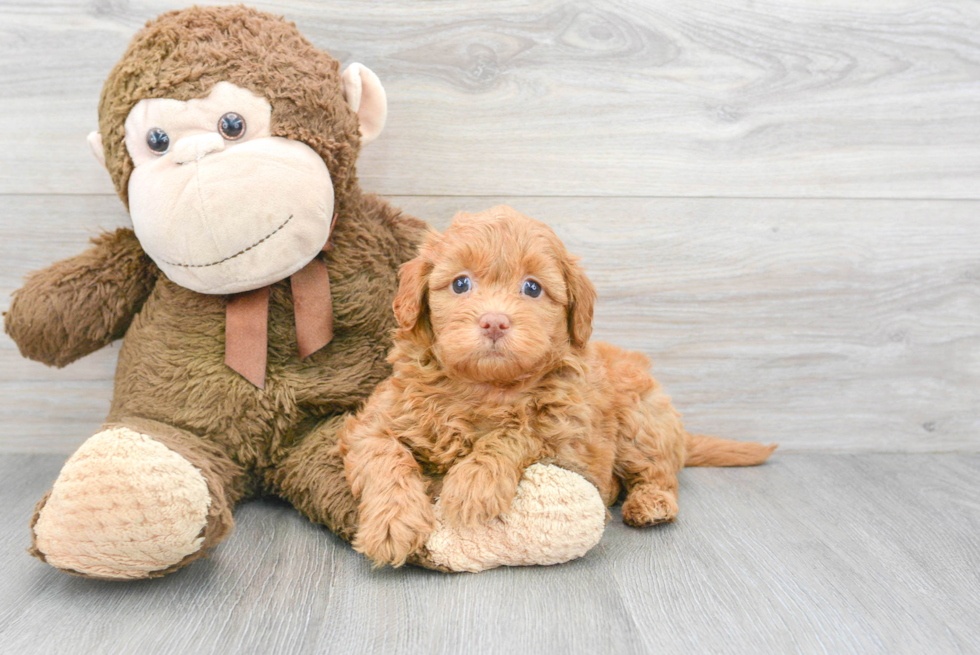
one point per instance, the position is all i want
(195, 148)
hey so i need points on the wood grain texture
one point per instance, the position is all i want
(820, 324)
(810, 553)
(628, 98)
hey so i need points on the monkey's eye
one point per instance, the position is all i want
(157, 141)
(462, 284)
(231, 126)
(531, 289)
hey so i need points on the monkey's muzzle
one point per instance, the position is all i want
(225, 220)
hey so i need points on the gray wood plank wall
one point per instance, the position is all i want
(778, 202)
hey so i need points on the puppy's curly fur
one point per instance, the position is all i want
(494, 371)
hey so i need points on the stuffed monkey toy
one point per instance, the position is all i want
(254, 298)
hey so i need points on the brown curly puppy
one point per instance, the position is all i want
(494, 371)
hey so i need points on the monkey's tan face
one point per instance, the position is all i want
(217, 202)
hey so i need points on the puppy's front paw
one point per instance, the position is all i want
(389, 534)
(648, 506)
(474, 493)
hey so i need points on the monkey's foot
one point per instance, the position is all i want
(555, 517)
(124, 506)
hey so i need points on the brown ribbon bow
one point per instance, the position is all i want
(247, 320)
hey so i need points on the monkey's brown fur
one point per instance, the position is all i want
(182, 54)
(171, 380)
(479, 410)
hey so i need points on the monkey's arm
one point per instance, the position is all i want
(407, 231)
(78, 305)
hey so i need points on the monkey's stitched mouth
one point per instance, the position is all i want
(240, 252)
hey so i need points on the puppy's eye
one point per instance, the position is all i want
(157, 141)
(231, 126)
(462, 284)
(531, 289)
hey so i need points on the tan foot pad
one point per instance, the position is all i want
(556, 516)
(123, 506)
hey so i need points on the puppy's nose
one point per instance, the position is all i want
(494, 325)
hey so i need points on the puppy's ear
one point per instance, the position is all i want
(413, 285)
(581, 302)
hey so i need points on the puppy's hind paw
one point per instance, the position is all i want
(649, 506)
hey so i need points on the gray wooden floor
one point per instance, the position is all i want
(873, 553)
(778, 202)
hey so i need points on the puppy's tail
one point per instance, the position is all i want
(711, 451)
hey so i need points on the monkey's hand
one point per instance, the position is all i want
(78, 305)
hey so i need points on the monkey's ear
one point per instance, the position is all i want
(95, 143)
(366, 97)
